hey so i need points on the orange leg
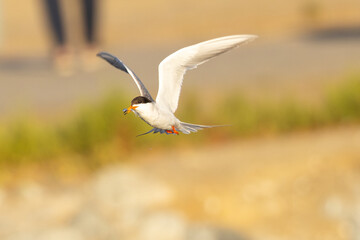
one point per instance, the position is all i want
(173, 131)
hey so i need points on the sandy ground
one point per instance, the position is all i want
(299, 186)
(302, 186)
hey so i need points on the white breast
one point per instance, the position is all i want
(156, 116)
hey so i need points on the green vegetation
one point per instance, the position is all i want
(102, 129)
(343, 103)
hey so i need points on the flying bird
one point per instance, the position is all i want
(159, 113)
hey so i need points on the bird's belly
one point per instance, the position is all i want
(161, 120)
(164, 122)
(157, 117)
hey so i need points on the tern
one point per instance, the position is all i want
(159, 113)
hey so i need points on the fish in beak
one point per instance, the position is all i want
(127, 110)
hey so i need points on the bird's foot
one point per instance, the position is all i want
(173, 131)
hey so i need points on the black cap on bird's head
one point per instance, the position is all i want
(137, 100)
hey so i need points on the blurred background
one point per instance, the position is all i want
(288, 167)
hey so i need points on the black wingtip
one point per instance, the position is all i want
(112, 60)
(103, 54)
(106, 56)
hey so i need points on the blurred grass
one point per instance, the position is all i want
(100, 130)
(343, 102)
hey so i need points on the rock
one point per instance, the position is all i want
(201, 233)
(126, 188)
(162, 226)
(2, 197)
(31, 192)
(91, 225)
(206, 232)
(61, 234)
(62, 206)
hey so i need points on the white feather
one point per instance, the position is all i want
(173, 67)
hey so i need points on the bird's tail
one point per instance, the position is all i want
(185, 128)
(188, 128)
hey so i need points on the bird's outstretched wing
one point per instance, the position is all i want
(173, 67)
(120, 65)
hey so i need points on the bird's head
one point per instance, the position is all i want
(136, 102)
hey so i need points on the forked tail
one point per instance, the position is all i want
(185, 128)
(188, 128)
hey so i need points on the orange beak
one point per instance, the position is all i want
(127, 110)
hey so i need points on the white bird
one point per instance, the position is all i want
(160, 113)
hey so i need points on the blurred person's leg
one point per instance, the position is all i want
(1, 21)
(56, 24)
(89, 8)
(90, 62)
(62, 58)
